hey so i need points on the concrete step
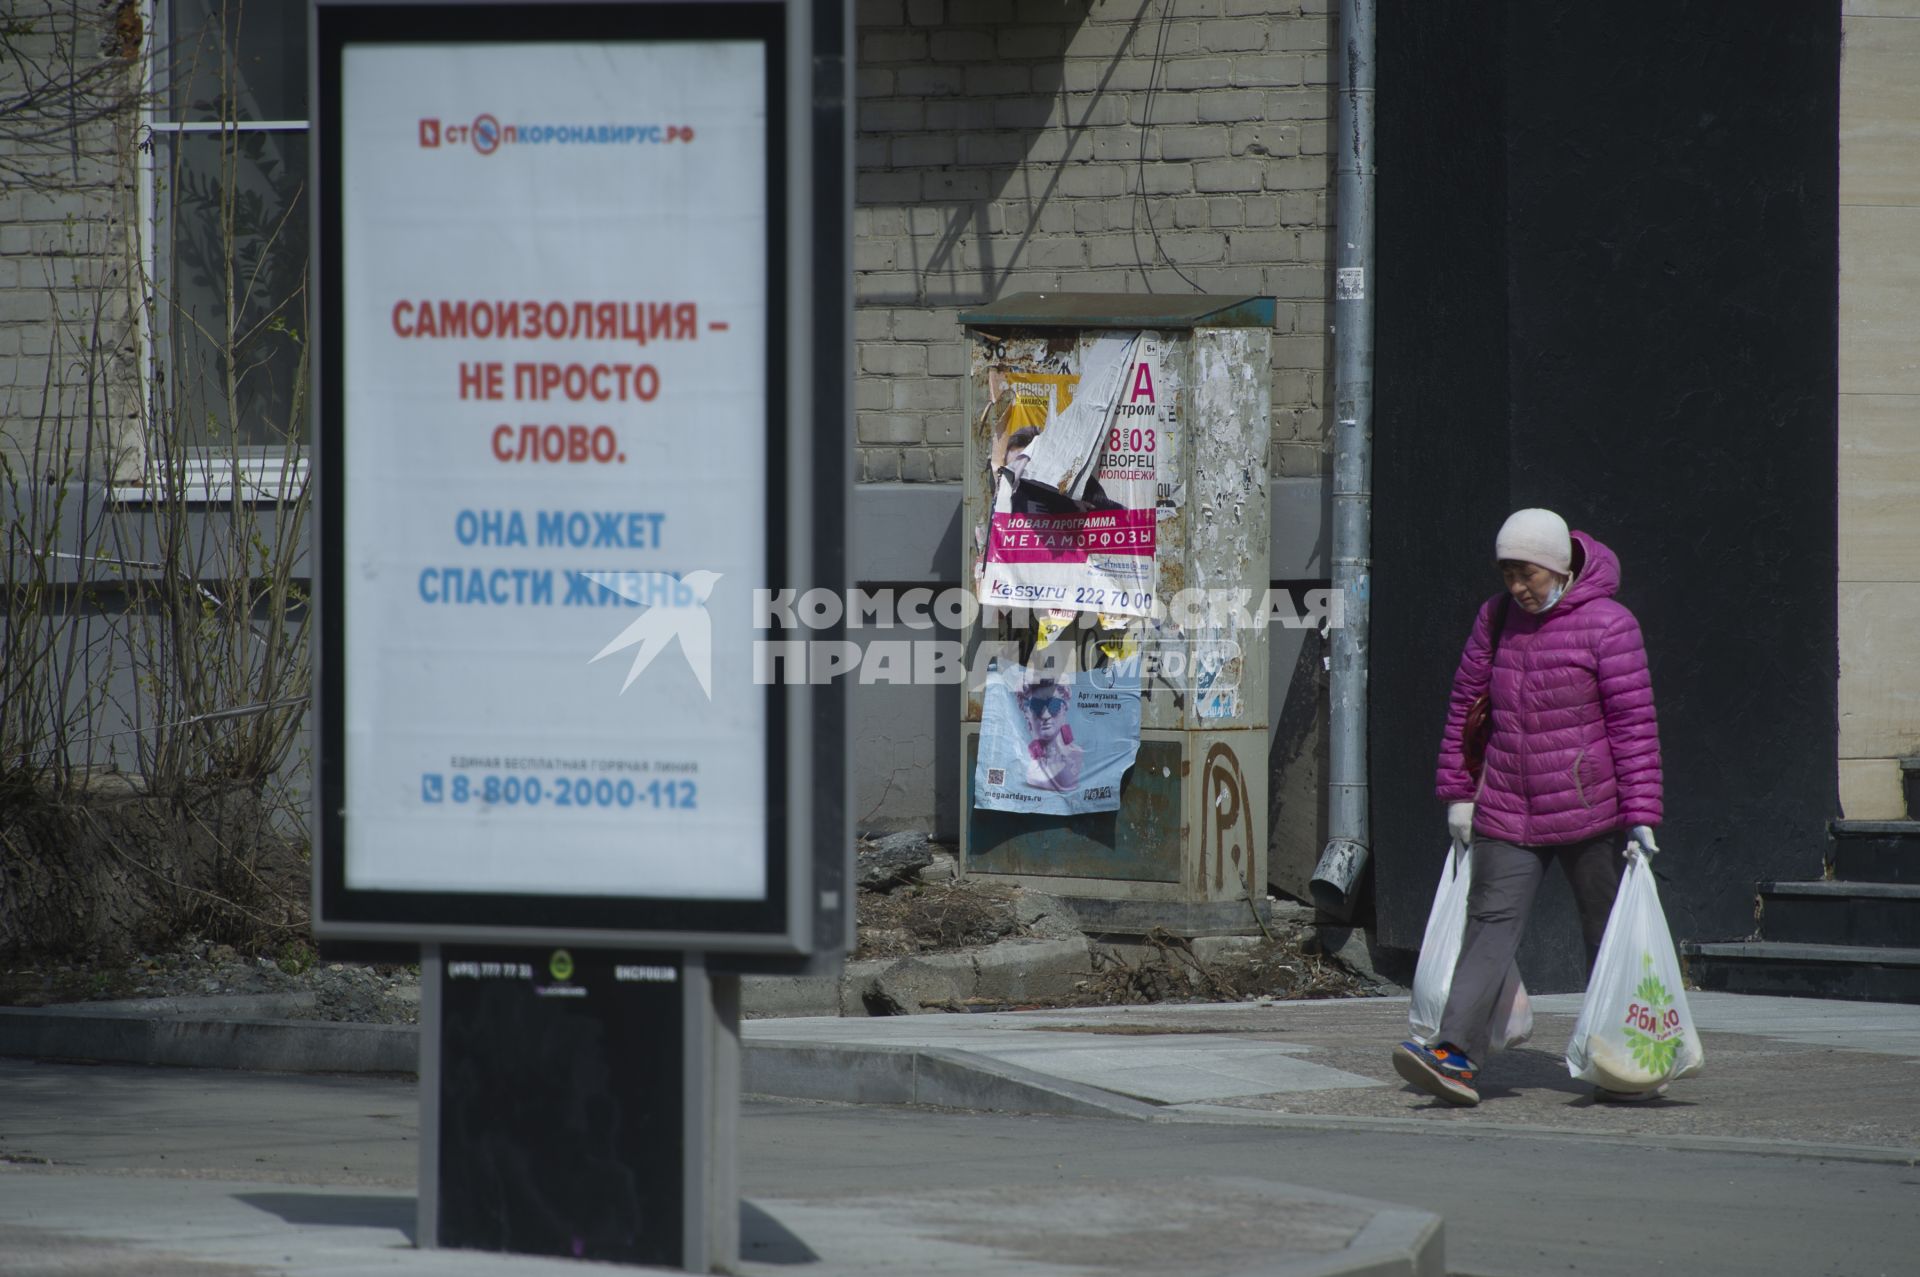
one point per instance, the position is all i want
(1875, 851)
(1870, 914)
(1848, 972)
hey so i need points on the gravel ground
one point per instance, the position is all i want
(909, 904)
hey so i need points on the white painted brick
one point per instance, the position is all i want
(890, 115)
(962, 46)
(929, 81)
(1112, 250)
(1088, 75)
(1094, 180)
(1057, 254)
(1191, 143)
(896, 46)
(946, 428)
(1265, 139)
(1168, 179)
(1303, 208)
(947, 359)
(1225, 211)
(925, 325)
(1228, 175)
(1054, 146)
(966, 185)
(1030, 41)
(884, 285)
(923, 150)
(924, 394)
(998, 80)
(893, 359)
(1261, 248)
(1229, 106)
(1299, 173)
(916, 466)
(1234, 37)
(1085, 110)
(960, 114)
(886, 188)
(1099, 41)
(1199, 73)
(1000, 149)
(892, 428)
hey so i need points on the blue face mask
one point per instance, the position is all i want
(1555, 596)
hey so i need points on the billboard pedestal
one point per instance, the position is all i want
(579, 1103)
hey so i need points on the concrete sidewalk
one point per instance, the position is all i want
(1791, 1077)
(1789, 1073)
(1782, 1074)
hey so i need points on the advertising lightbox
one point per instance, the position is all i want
(560, 383)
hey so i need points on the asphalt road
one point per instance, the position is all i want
(1515, 1204)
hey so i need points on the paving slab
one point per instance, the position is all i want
(1781, 1073)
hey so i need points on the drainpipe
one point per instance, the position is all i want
(1337, 877)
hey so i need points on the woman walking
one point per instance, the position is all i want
(1570, 770)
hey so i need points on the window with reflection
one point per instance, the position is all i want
(229, 174)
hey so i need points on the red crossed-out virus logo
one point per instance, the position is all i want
(485, 134)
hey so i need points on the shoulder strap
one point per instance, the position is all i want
(1499, 623)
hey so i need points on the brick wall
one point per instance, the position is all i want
(68, 362)
(1004, 146)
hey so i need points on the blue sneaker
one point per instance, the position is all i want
(1442, 1070)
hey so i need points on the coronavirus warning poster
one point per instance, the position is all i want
(1077, 483)
(553, 460)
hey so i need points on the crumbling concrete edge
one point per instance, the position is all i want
(171, 1041)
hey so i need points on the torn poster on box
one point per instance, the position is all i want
(1075, 496)
(1057, 741)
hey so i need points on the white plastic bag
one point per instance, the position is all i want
(1440, 950)
(1635, 1032)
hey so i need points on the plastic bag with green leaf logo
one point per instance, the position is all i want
(1635, 1033)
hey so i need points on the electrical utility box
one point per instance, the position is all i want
(1187, 847)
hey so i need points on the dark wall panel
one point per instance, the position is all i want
(1669, 288)
(1440, 410)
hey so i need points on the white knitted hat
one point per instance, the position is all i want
(1536, 536)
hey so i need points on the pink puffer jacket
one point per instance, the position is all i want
(1575, 750)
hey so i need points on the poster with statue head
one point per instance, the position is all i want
(1055, 740)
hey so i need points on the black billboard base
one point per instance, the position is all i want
(579, 1103)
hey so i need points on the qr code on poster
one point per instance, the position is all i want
(996, 775)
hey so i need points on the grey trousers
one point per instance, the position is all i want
(1506, 876)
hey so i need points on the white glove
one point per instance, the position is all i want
(1460, 823)
(1640, 837)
